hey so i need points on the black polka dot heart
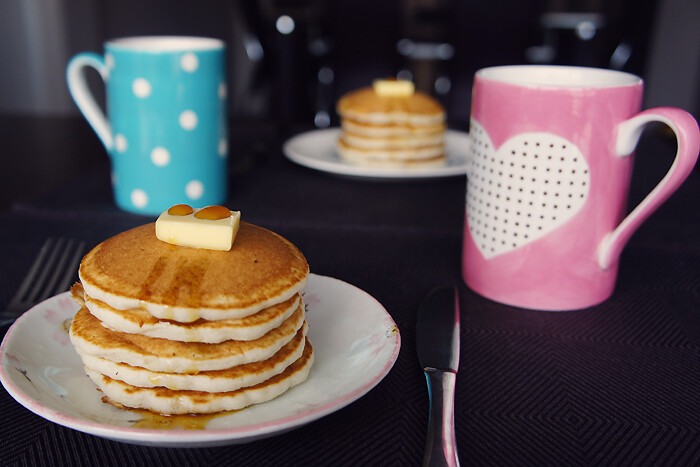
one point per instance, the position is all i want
(533, 184)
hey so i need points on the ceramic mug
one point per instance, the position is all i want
(166, 124)
(548, 178)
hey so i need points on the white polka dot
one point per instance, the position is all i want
(188, 120)
(189, 62)
(160, 156)
(194, 189)
(109, 60)
(139, 198)
(223, 147)
(120, 143)
(115, 178)
(141, 87)
(222, 91)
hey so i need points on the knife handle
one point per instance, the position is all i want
(440, 444)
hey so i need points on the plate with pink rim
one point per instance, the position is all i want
(356, 343)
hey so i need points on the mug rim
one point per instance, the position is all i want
(164, 44)
(558, 76)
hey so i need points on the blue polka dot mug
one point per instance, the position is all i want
(166, 126)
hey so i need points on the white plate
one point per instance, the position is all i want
(316, 149)
(355, 344)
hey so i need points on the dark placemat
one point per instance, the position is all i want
(615, 384)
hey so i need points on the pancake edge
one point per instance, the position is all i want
(186, 403)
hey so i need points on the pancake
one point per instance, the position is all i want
(228, 379)
(391, 132)
(176, 330)
(389, 158)
(168, 401)
(418, 141)
(135, 270)
(139, 321)
(364, 105)
(90, 337)
(408, 154)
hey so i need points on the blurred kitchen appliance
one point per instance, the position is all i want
(426, 46)
(299, 54)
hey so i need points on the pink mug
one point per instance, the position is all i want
(548, 178)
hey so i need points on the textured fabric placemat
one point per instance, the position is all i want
(617, 384)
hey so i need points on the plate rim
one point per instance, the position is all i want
(358, 171)
(194, 437)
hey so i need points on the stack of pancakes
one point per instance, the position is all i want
(400, 132)
(179, 330)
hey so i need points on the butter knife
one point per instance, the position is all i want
(437, 343)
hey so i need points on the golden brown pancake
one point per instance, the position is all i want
(136, 270)
(408, 158)
(364, 105)
(390, 129)
(410, 154)
(415, 141)
(168, 401)
(175, 329)
(139, 321)
(228, 379)
(90, 337)
(391, 132)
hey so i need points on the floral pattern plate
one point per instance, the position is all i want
(355, 341)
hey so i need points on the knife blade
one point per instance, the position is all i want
(437, 344)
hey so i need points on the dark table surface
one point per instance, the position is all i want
(615, 384)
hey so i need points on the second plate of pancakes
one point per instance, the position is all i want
(356, 343)
(317, 150)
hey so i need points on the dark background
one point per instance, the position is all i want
(280, 80)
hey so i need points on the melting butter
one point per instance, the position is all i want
(393, 88)
(212, 232)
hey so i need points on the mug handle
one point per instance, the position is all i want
(83, 98)
(628, 132)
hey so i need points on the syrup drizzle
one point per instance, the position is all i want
(155, 273)
(154, 421)
(187, 280)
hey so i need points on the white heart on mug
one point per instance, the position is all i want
(533, 184)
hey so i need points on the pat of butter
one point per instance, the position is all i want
(393, 88)
(188, 230)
